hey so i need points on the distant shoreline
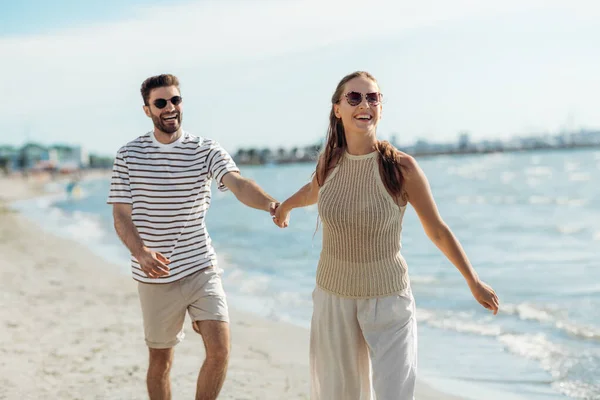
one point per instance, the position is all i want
(465, 152)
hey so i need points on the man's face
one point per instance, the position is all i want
(168, 118)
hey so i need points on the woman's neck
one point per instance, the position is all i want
(361, 144)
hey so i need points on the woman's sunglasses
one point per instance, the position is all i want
(355, 98)
(162, 103)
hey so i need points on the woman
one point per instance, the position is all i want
(363, 331)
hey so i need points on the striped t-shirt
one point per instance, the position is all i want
(168, 186)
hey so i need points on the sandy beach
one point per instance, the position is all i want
(72, 328)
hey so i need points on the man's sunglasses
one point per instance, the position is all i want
(355, 98)
(162, 103)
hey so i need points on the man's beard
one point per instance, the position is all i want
(169, 129)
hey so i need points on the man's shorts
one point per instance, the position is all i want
(164, 305)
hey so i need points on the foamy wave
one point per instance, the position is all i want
(543, 172)
(570, 229)
(553, 316)
(539, 200)
(485, 200)
(254, 286)
(464, 323)
(265, 289)
(84, 227)
(559, 362)
(470, 171)
(578, 389)
(527, 311)
(471, 200)
(537, 347)
(580, 331)
(554, 358)
(458, 322)
(507, 177)
(571, 166)
(567, 201)
(580, 177)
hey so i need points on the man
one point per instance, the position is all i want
(160, 192)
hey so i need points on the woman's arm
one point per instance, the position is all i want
(306, 196)
(420, 197)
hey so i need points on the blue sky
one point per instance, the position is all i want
(260, 73)
(29, 17)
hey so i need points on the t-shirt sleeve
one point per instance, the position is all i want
(120, 189)
(220, 163)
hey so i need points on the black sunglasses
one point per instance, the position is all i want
(355, 98)
(162, 103)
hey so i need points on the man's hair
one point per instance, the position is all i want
(155, 82)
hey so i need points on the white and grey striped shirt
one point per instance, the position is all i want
(168, 186)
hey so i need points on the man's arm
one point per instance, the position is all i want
(248, 192)
(125, 228)
(153, 263)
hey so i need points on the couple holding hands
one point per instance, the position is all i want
(363, 337)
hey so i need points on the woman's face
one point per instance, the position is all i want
(359, 106)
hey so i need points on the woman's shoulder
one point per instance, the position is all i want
(404, 160)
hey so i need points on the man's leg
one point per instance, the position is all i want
(157, 379)
(217, 344)
(163, 310)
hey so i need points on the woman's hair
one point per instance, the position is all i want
(389, 164)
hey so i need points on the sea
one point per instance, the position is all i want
(529, 222)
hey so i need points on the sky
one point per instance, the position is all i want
(260, 73)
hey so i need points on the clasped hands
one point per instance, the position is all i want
(280, 214)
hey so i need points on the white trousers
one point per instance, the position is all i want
(363, 349)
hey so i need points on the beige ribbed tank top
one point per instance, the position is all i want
(362, 226)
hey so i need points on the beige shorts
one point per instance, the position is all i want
(164, 305)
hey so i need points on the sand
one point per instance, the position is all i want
(71, 328)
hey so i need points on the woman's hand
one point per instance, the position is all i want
(282, 216)
(485, 295)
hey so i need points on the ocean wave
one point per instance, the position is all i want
(471, 200)
(540, 200)
(570, 229)
(75, 225)
(464, 322)
(537, 347)
(461, 322)
(578, 389)
(571, 166)
(539, 171)
(569, 201)
(580, 177)
(561, 362)
(552, 316)
(527, 311)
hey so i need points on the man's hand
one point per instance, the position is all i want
(153, 263)
(273, 207)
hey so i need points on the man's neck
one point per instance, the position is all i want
(167, 138)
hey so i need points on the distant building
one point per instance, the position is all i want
(9, 159)
(33, 155)
(464, 141)
(70, 156)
